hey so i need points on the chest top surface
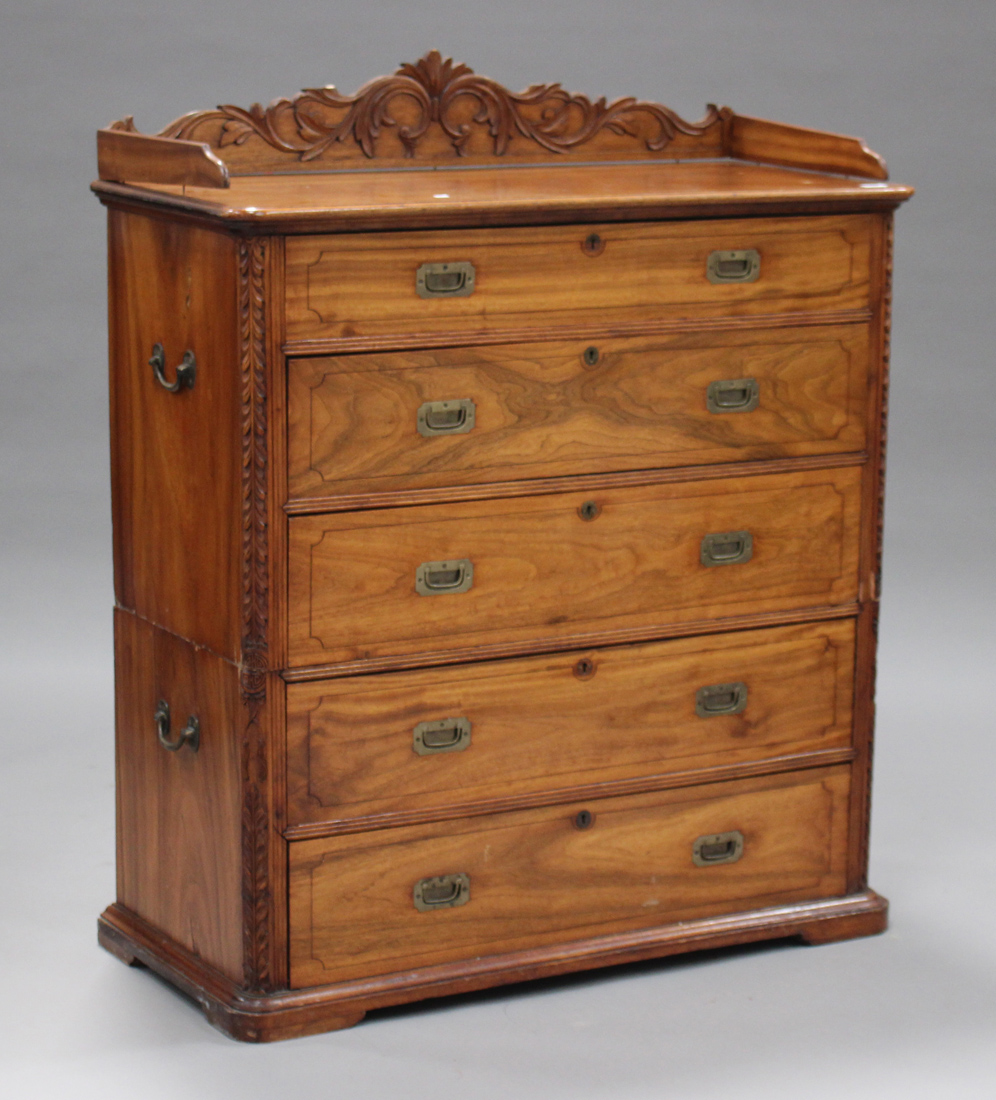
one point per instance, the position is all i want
(437, 145)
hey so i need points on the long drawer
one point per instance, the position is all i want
(435, 578)
(457, 416)
(396, 899)
(371, 285)
(418, 742)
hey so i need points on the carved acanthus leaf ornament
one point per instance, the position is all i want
(435, 94)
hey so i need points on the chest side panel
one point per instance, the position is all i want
(176, 456)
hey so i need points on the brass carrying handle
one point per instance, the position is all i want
(733, 395)
(715, 848)
(717, 699)
(186, 372)
(189, 735)
(437, 578)
(446, 417)
(441, 892)
(442, 735)
(741, 265)
(727, 548)
(451, 280)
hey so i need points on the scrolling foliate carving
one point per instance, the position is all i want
(255, 595)
(433, 107)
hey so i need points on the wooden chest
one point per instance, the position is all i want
(497, 492)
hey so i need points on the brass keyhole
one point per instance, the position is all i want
(584, 669)
(584, 819)
(589, 510)
(591, 356)
(592, 245)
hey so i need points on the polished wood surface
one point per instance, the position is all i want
(544, 410)
(176, 463)
(269, 522)
(550, 723)
(536, 878)
(540, 569)
(364, 285)
(179, 815)
(759, 139)
(124, 155)
(287, 1014)
(526, 195)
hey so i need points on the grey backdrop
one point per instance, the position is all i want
(910, 1014)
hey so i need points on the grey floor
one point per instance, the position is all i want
(906, 1015)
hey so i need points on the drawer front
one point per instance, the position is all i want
(560, 408)
(547, 567)
(358, 746)
(535, 877)
(367, 284)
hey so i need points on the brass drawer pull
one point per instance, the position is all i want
(727, 548)
(186, 372)
(189, 735)
(446, 417)
(444, 735)
(719, 699)
(707, 851)
(736, 266)
(436, 578)
(441, 892)
(452, 280)
(734, 395)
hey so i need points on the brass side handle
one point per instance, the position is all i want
(186, 372)
(189, 735)
(734, 266)
(727, 548)
(443, 735)
(717, 699)
(441, 892)
(450, 280)
(446, 417)
(438, 578)
(733, 395)
(707, 851)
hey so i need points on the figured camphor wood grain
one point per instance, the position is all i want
(364, 284)
(176, 465)
(179, 813)
(537, 725)
(540, 570)
(542, 410)
(536, 878)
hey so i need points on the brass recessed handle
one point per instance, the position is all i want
(707, 851)
(734, 266)
(450, 280)
(727, 548)
(441, 892)
(189, 735)
(446, 417)
(733, 395)
(437, 578)
(717, 699)
(186, 372)
(443, 735)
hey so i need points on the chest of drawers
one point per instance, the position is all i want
(497, 491)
